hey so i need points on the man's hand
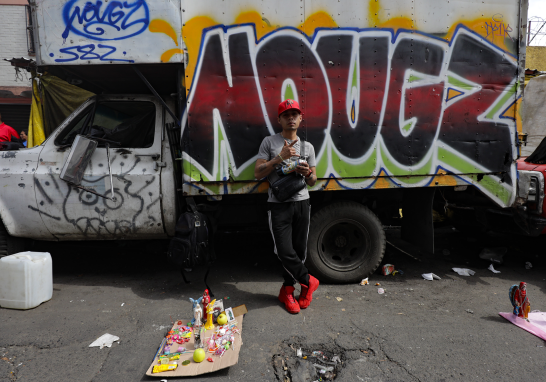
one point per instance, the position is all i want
(303, 169)
(288, 151)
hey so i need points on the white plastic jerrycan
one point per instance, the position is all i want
(26, 280)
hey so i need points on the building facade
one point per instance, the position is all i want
(15, 42)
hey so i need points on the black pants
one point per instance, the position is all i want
(289, 225)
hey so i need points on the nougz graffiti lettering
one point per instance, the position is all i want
(404, 105)
(117, 20)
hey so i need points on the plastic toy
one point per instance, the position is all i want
(205, 300)
(520, 301)
(195, 303)
(197, 316)
(210, 308)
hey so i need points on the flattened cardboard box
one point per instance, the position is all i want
(230, 357)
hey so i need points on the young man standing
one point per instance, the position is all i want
(289, 220)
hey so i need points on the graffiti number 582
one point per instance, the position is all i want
(87, 52)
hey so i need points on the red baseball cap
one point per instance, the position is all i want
(287, 105)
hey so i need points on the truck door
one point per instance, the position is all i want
(69, 213)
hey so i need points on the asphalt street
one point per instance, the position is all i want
(441, 330)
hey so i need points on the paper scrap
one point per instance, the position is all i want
(364, 281)
(430, 276)
(380, 290)
(104, 340)
(339, 299)
(492, 269)
(536, 324)
(464, 271)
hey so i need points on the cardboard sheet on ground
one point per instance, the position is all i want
(230, 357)
(536, 324)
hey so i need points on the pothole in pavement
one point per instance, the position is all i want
(302, 362)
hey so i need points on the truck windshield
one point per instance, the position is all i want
(129, 123)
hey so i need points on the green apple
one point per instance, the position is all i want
(222, 319)
(199, 355)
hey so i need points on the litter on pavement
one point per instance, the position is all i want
(104, 340)
(528, 265)
(494, 255)
(364, 281)
(430, 276)
(387, 269)
(380, 290)
(492, 269)
(464, 271)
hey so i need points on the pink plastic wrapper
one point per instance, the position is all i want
(387, 269)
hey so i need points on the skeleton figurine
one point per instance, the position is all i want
(195, 303)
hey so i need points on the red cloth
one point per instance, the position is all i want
(6, 132)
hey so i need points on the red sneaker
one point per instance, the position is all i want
(306, 294)
(286, 296)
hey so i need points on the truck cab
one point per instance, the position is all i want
(140, 166)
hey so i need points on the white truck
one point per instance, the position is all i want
(400, 98)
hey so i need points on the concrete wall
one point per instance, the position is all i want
(13, 43)
(536, 58)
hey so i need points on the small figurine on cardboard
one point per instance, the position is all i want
(519, 300)
(210, 308)
(205, 301)
(194, 304)
(197, 316)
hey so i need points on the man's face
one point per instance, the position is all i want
(23, 135)
(290, 119)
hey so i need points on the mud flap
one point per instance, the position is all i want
(417, 225)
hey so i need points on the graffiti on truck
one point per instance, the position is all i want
(117, 20)
(497, 28)
(87, 53)
(67, 208)
(376, 102)
(100, 21)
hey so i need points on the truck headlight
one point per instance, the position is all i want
(533, 186)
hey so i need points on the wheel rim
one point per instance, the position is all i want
(343, 245)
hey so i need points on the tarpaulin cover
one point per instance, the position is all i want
(60, 99)
(36, 134)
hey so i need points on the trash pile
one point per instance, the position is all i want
(308, 364)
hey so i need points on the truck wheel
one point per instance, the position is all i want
(9, 245)
(346, 243)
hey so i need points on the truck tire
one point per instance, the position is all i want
(9, 245)
(346, 243)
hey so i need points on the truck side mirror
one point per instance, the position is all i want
(80, 154)
(79, 157)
